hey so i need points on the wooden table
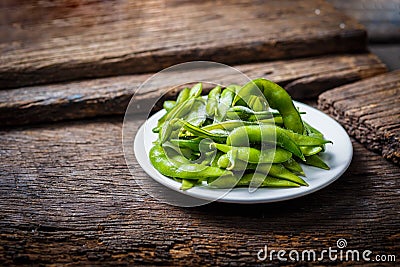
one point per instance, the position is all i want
(66, 194)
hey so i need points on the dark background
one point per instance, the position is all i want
(382, 21)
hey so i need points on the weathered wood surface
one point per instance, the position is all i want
(67, 197)
(303, 78)
(370, 111)
(45, 41)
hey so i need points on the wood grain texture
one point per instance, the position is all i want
(67, 197)
(370, 111)
(303, 78)
(46, 41)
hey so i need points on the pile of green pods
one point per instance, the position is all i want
(237, 136)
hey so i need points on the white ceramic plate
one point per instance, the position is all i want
(337, 155)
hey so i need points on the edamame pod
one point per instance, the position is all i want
(277, 98)
(225, 103)
(177, 112)
(245, 113)
(310, 150)
(212, 101)
(228, 125)
(245, 135)
(168, 167)
(196, 90)
(187, 184)
(202, 133)
(230, 181)
(192, 144)
(316, 161)
(294, 166)
(305, 140)
(279, 171)
(275, 170)
(182, 97)
(267, 181)
(197, 114)
(169, 104)
(253, 155)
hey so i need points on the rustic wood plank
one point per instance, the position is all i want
(303, 78)
(60, 41)
(370, 111)
(66, 197)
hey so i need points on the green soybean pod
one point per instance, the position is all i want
(253, 155)
(192, 144)
(183, 95)
(231, 162)
(196, 90)
(267, 181)
(245, 113)
(187, 184)
(223, 161)
(263, 133)
(227, 125)
(305, 140)
(225, 102)
(274, 170)
(316, 161)
(293, 166)
(277, 98)
(197, 131)
(169, 104)
(279, 171)
(178, 111)
(212, 101)
(310, 150)
(168, 167)
(230, 181)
